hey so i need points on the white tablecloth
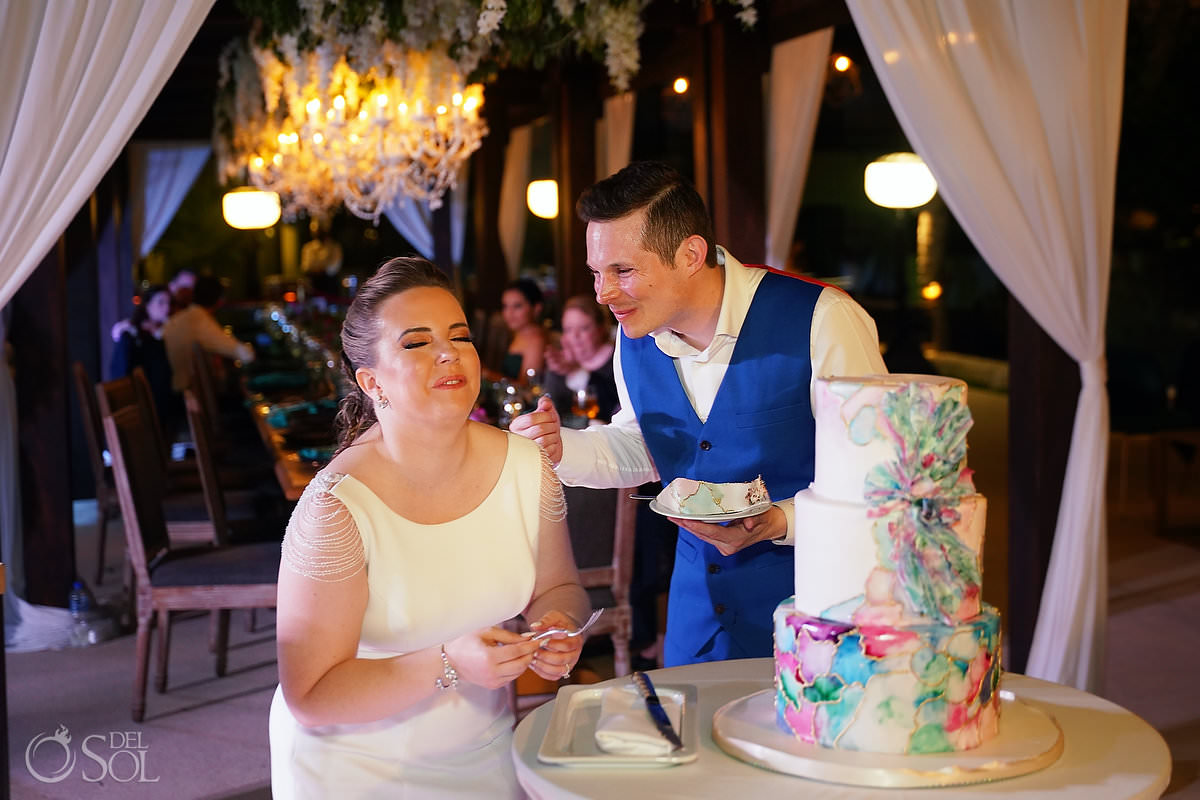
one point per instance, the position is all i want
(1109, 752)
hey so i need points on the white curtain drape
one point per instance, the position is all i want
(512, 211)
(414, 219)
(160, 176)
(614, 139)
(797, 83)
(1015, 106)
(79, 77)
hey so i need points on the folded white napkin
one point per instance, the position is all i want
(625, 727)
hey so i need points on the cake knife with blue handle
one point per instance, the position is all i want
(657, 713)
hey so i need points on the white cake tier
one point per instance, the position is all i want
(850, 434)
(835, 553)
(838, 561)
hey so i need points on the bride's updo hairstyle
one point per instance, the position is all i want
(361, 331)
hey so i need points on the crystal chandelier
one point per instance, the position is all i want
(399, 129)
(367, 103)
(357, 120)
(253, 144)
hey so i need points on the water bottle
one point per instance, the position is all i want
(80, 604)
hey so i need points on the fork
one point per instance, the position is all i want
(582, 628)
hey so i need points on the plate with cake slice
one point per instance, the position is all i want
(705, 501)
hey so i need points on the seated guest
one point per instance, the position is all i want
(141, 345)
(521, 304)
(197, 325)
(581, 367)
(180, 288)
(402, 560)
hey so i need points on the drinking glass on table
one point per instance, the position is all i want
(586, 403)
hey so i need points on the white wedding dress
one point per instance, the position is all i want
(427, 584)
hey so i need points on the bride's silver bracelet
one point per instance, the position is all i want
(449, 679)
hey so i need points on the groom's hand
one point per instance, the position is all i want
(739, 534)
(543, 426)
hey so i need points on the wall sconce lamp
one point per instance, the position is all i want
(542, 198)
(250, 209)
(899, 180)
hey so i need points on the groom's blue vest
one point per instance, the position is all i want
(720, 607)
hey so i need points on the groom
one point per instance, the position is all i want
(714, 370)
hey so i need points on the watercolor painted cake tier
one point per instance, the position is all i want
(891, 529)
(692, 497)
(888, 576)
(912, 690)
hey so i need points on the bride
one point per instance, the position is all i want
(401, 561)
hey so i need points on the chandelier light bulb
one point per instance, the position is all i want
(313, 106)
(899, 180)
(339, 103)
(841, 63)
(250, 209)
(680, 86)
(442, 110)
(542, 198)
(457, 99)
(318, 138)
(381, 101)
(471, 104)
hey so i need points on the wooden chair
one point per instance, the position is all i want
(204, 387)
(134, 390)
(227, 528)
(93, 432)
(186, 517)
(602, 524)
(167, 579)
(233, 437)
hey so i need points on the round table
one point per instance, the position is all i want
(1109, 752)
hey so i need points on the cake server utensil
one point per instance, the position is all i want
(582, 628)
(643, 497)
(657, 713)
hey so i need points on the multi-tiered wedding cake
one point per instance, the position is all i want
(886, 646)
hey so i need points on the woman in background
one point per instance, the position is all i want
(521, 304)
(579, 372)
(141, 345)
(403, 558)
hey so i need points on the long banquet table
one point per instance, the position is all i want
(1109, 751)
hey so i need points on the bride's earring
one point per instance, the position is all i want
(381, 401)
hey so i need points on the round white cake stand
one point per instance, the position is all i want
(1029, 740)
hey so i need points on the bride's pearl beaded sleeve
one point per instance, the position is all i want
(322, 541)
(554, 504)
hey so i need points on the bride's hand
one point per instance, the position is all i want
(559, 653)
(477, 658)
